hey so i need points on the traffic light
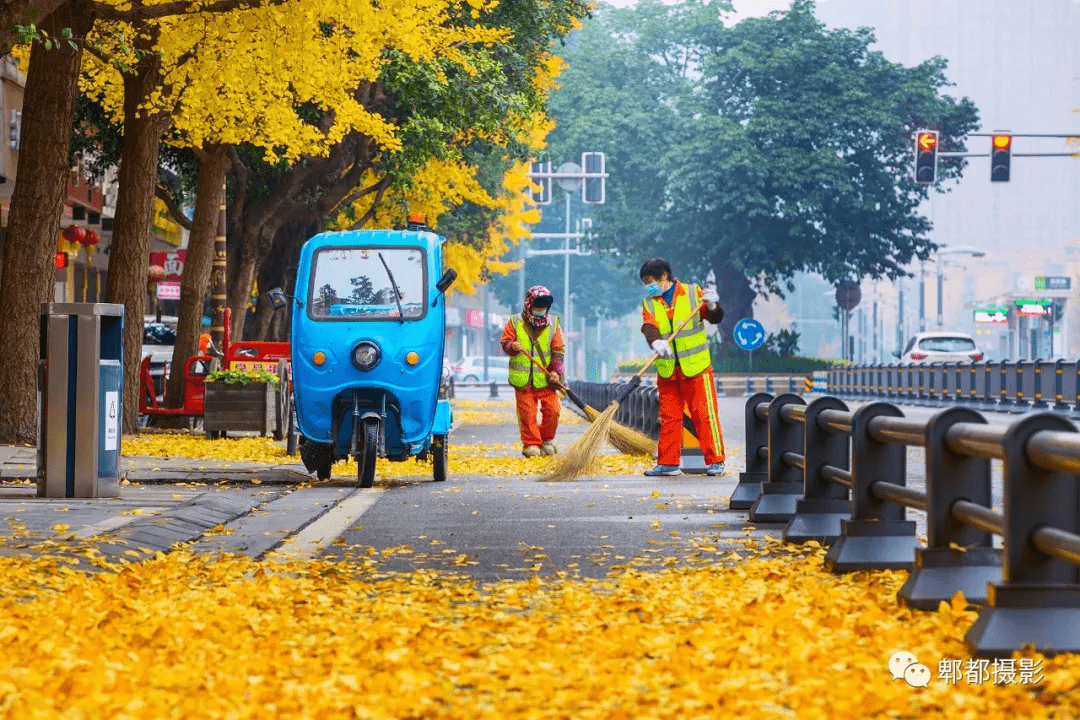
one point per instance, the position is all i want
(1000, 157)
(592, 193)
(926, 142)
(536, 174)
(60, 260)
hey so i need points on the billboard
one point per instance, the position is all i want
(992, 315)
(1034, 307)
(173, 262)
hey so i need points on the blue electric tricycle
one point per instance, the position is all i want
(367, 349)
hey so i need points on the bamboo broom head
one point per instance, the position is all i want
(582, 453)
(631, 442)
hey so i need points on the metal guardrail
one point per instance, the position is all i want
(838, 477)
(1001, 386)
(641, 411)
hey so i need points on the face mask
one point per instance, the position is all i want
(539, 313)
(653, 290)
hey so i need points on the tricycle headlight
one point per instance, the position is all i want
(366, 355)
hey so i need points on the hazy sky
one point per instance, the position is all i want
(743, 8)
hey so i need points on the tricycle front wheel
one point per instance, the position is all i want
(440, 455)
(365, 463)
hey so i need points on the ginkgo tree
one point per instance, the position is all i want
(451, 115)
(257, 76)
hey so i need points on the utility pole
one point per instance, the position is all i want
(590, 178)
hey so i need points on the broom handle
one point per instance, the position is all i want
(569, 393)
(636, 379)
(670, 338)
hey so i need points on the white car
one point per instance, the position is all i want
(471, 369)
(928, 347)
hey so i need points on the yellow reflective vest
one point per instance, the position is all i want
(691, 346)
(521, 368)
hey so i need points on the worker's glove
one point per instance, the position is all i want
(515, 348)
(710, 298)
(662, 348)
(553, 377)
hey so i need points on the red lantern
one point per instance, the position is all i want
(73, 234)
(91, 239)
(156, 273)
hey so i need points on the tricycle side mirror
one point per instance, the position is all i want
(278, 299)
(445, 282)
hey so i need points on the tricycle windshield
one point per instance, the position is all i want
(357, 283)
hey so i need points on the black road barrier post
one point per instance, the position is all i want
(877, 536)
(818, 515)
(757, 467)
(958, 556)
(1037, 602)
(776, 503)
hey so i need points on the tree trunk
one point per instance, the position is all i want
(34, 222)
(213, 165)
(240, 293)
(129, 256)
(736, 297)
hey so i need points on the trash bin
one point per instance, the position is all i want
(80, 400)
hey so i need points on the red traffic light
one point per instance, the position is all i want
(1002, 142)
(927, 141)
(60, 260)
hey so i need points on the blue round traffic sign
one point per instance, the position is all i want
(749, 334)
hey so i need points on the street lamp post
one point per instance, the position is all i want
(590, 178)
(946, 250)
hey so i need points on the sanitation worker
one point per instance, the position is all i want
(684, 368)
(538, 334)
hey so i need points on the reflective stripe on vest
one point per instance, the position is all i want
(691, 345)
(521, 368)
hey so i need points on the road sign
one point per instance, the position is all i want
(848, 295)
(1034, 307)
(1053, 282)
(749, 334)
(168, 291)
(992, 315)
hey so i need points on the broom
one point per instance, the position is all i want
(624, 439)
(578, 458)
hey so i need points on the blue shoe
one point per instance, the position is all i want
(715, 469)
(667, 470)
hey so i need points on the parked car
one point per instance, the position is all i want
(928, 347)
(471, 369)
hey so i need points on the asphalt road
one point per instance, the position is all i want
(486, 525)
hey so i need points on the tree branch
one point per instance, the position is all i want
(173, 207)
(142, 13)
(350, 199)
(371, 211)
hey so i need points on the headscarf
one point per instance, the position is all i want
(538, 296)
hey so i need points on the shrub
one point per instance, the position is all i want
(241, 377)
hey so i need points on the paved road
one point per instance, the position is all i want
(488, 525)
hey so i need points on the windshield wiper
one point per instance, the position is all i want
(397, 293)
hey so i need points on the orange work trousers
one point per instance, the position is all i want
(528, 398)
(698, 394)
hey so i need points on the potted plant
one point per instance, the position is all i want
(241, 401)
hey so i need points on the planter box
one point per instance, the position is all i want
(240, 408)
